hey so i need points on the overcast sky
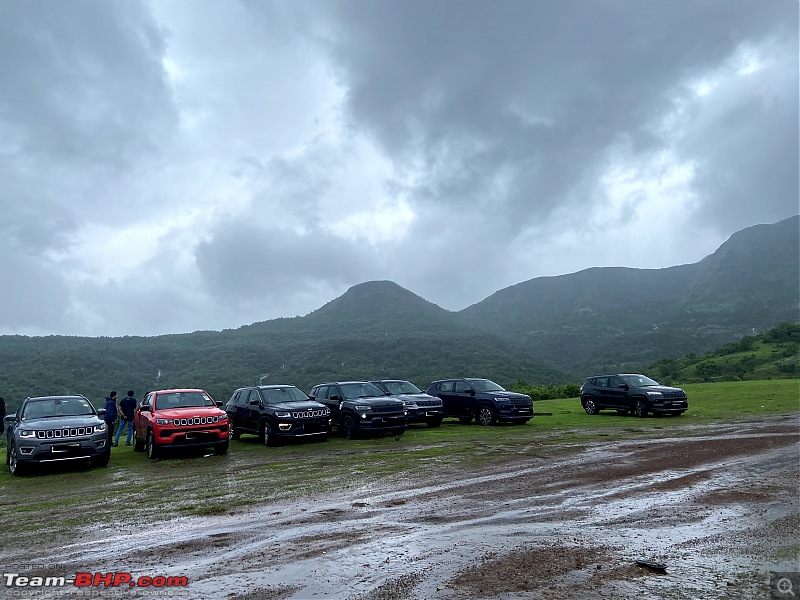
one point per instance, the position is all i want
(195, 164)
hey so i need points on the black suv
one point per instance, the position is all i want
(420, 407)
(51, 429)
(481, 399)
(360, 407)
(631, 393)
(275, 412)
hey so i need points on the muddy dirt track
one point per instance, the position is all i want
(718, 505)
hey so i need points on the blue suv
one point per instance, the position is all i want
(481, 399)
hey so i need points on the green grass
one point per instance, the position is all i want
(252, 475)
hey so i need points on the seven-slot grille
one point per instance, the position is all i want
(311, 413)
(514, 400)
(429, 403)
(674, 395)
(64, 433)
(195, 421)
(385, 408)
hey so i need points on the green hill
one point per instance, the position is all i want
(374, 330)
(774, 354)
(623, 319)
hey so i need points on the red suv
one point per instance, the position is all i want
(180, 418)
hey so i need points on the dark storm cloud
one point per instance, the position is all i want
(266, 261)
(83, 96)
(511, 105)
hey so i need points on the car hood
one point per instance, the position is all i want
(662, 388)
(508, 395)
(412, 397)
(191, 411)
(375, 400)
(301, 406)
(61, 422)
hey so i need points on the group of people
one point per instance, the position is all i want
(125, 410)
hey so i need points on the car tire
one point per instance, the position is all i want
(465, 420)
(434, 422)
(270, 439)
(151, 445)
(13, 464)
(233, 433)
(589, 406)
(349, 427)
(222, 448)
(102, 460)
(486, 416)
(138, 444)
(640, 408)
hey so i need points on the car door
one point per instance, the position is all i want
(617, 393)
(452, 407)
(600, 392)
(252, 410)
(464, 398)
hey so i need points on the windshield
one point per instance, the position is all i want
(183, 400)
(484, 385)
(284, 394)
(360, 390)
(639, 381)
(401, 387)
(57, 407)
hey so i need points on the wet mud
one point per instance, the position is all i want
(719, 506)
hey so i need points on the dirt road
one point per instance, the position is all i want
(718, 505)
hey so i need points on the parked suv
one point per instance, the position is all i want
(180, 418)
(481, 399)
(420, 407)
(275, 412)
(631, 393)
(359, 407)
(52, 429)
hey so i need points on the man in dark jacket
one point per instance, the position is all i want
(127, 406)
(111, 416)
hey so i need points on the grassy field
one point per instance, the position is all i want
(253, 475)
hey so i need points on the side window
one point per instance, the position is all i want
(615, 382)
(446, 386)
(602, 382)
(236, 398)
(253, 397)
(322, 392)
(462, 387)
(333, 390)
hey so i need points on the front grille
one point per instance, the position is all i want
(195, 421)
(64, 433)
(387, 408)
(310, 414)
(428, 403)
(516, 400)
(673, 395)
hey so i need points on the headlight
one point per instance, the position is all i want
(362, 408)
(163, 421)
(283, 415)
(654, 394)
(224, 417)
(99, 428)
(27, 433)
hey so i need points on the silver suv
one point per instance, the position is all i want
(52, 429)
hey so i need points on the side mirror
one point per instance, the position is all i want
(624, 386)
(12, 418)
(101, 412)
(254, 402)
(312, 397)
(471, 392)
(145, 407)
(218, 403)
(335, 397)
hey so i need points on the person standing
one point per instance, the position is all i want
(2, 415)
(111, 416)
(127, 406)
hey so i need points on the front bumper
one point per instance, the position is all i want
(305, 428)
(669, 406)
(64, 449)
(187, 437)
(423, 415)
(380, 423)
(514, 413)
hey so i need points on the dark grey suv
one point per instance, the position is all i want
(481, 399)
(53, 429)
(360, 407)
(420, 407)
(628, 392)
